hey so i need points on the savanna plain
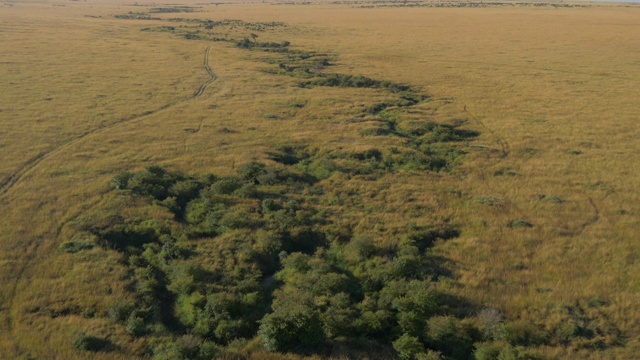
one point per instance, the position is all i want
(413, 180)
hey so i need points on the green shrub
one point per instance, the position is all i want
(568, 332)
(489, 350)
(408, 347)
(121, 181)
(226, 186)
(85, 342)
(520, 224)
(237, 219)
(289, 155)
(291, 328)
(252, 171)
(359, 248)
(185, 191)
(136, 326)
(247, 191)
(120, 311)
(321, 168)
(440, 329)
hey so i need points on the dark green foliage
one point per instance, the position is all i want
(121, 181)
(85, 342)
(248, 191)
(426, 146)
(450, 336)
(136, 16)
(184, 191)
(294, 326)
(120, 311)
(155, 182)
(187, 347)
(408, 347)
(274, 266)
(252, 171)
(256, 257)
(290, 155)
(136, 326)
(340, 80)
(320, 168)
(226, 186)
(192, 36)
(425, 238)
(496, 350)
(122, 237)
(253, 26)
(551, 199)
(520, 224)
(413, 302)
(173, 9)
(428, 152)
(248, 44)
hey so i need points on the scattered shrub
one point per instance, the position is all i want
(520, 224)
(136, 326)
(85, 342)
(121, 181)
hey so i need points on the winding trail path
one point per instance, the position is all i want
(504, 145)
(19, 174)
(31, 247)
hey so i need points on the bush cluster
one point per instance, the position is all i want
(251, 259)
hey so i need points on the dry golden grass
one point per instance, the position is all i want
(553, 93)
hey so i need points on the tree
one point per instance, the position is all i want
(408, 347)
(294, 326)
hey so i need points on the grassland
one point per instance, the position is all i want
(545, 196)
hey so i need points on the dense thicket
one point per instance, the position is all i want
(246, 257)
(251, 259)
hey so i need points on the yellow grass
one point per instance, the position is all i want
(553, 93)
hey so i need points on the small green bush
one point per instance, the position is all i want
(226, 186)
(120, 311)
(85, 342)
(520, 224)
(494, 350)
(252, 171)
(136, 326)
(121, 181)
